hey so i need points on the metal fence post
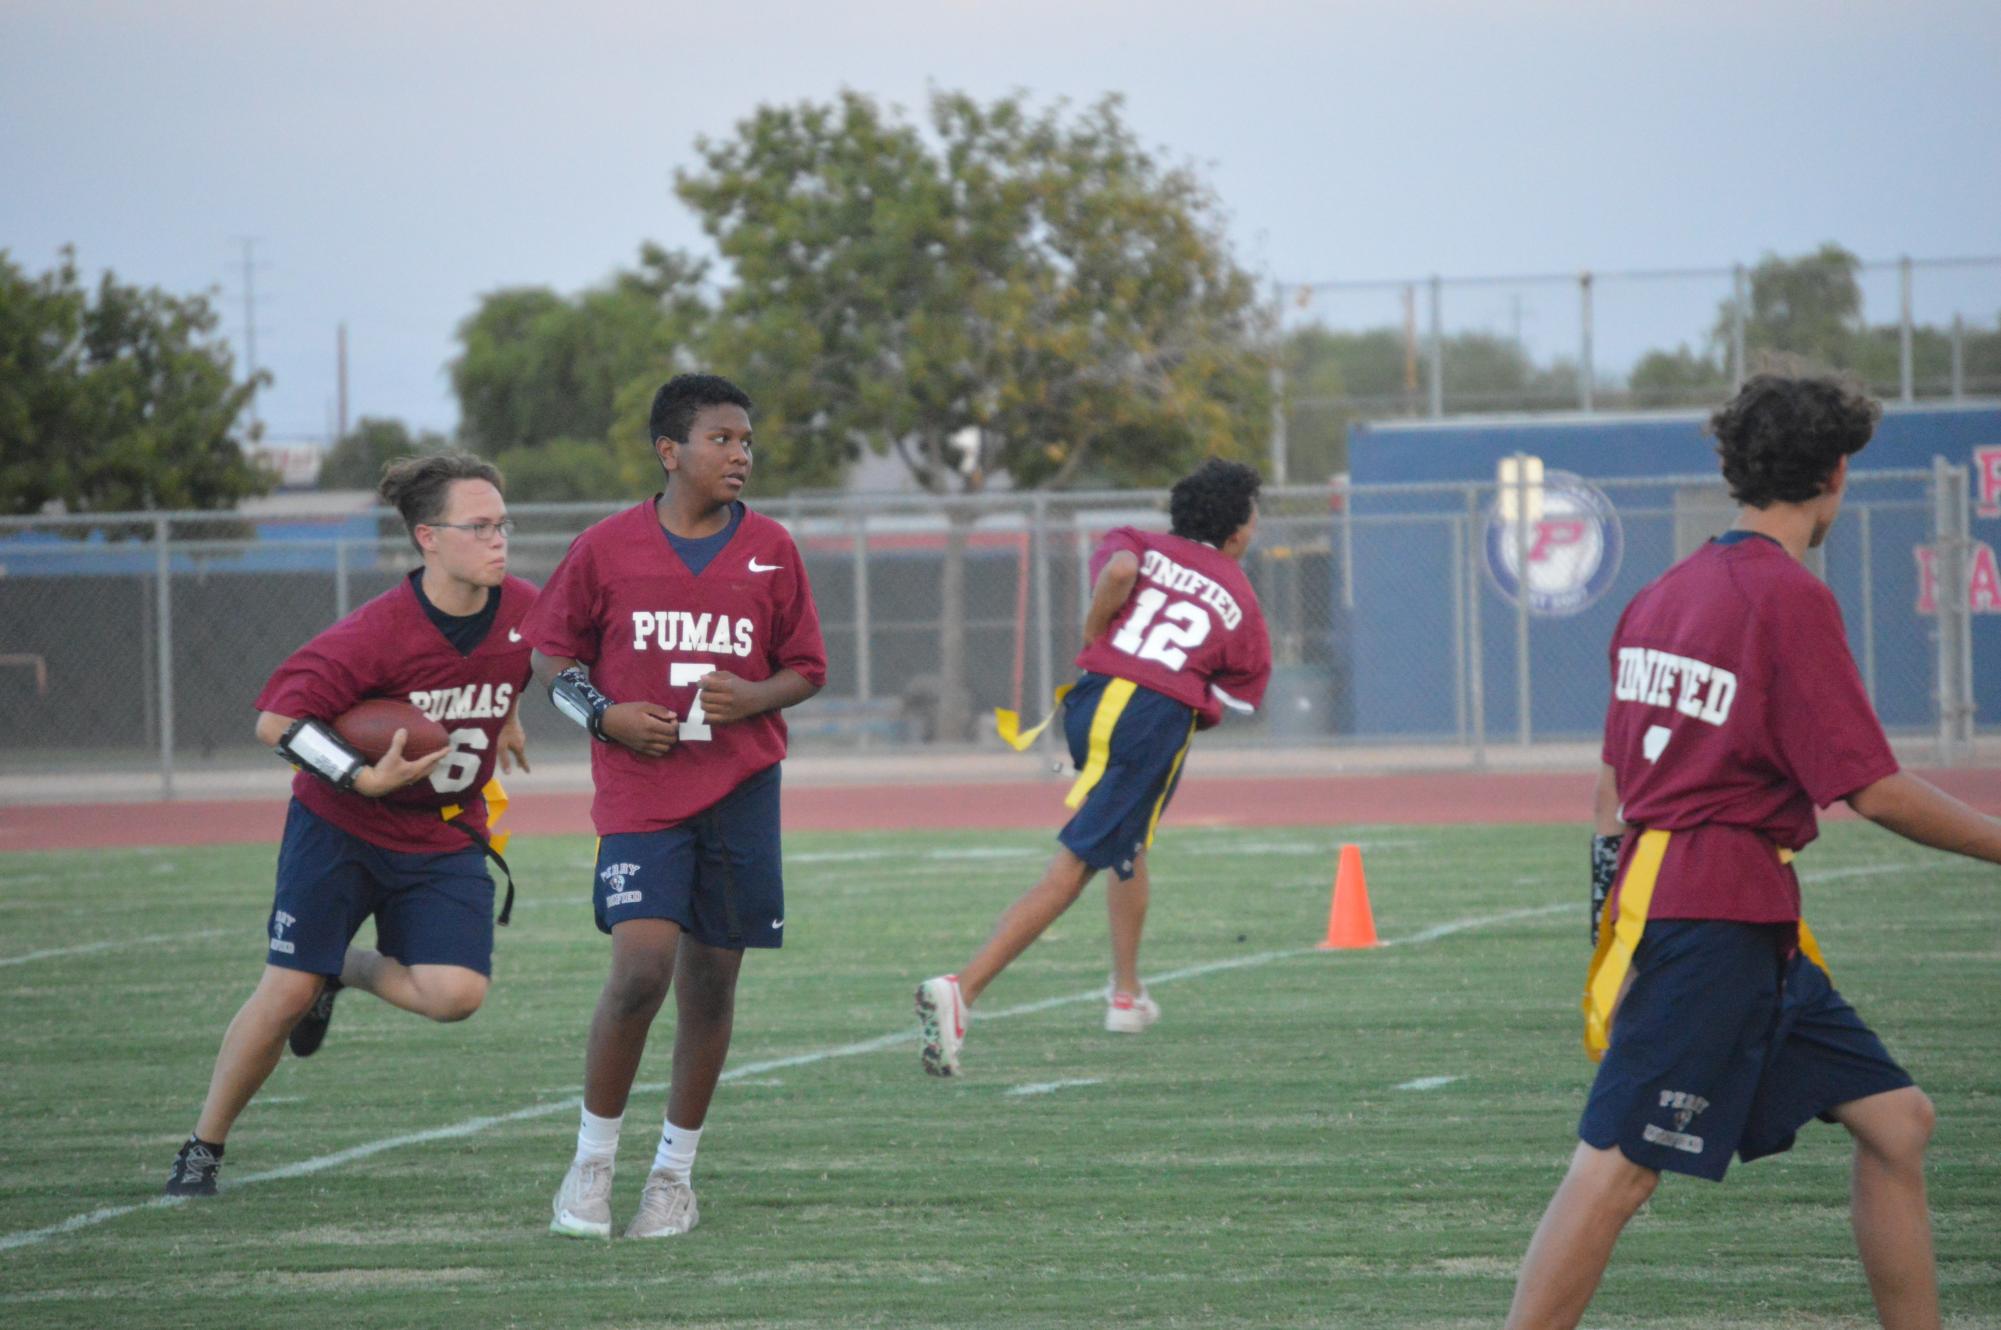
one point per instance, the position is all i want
(1458, 534)
(1961, 500)
(340, 578)
(1045, 649)
(1585, 373)
(1958, 358)
(1476, 656)
(1866, 548)
(859, 566)
(164, 623)
(1906, 388)
(1949, 568)
(1437, 385)
(1524, 701)
(1738, 315)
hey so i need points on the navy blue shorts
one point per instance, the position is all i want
(1726, 1043)
(1128, 743)
(718, 874)
(430, 909)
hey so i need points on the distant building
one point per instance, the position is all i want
(297, 461)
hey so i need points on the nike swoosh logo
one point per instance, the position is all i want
(757, 567)
(778, 923)
(514, 634)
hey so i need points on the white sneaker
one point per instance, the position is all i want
(666, 1207)
(941, 1017)
(1126, 1014)
(583, 1202)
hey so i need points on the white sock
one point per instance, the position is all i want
(598, 1137)
(677, 1150)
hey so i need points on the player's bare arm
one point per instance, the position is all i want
(1605, 819)
(387, 776)
(513, 740)
(1115, 583)
(1917, 810)
(725, 697)
(644, 727)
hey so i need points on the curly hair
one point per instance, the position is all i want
(1211, 502)
(682, 398)
(1783, 434)
(419, 487)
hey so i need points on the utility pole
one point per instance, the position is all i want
(249, 244)
(1278, 422)
(340, 415)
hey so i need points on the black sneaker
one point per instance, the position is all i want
(194, 1170)
(311, 1030)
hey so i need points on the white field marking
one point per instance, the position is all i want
(1865, 870)
(928, 856)
(572, 1103)
(1045, 1087)
(1431, 934)
(1427, 1082)
(1257, 847)
(89, 947)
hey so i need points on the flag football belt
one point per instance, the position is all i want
(486, 848)
(1619, 933)
(495, 796)
(1008, 723)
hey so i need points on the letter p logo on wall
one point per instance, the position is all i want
(1987, 479)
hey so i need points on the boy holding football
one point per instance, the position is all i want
(371, 838)
(675, 633)
(1173, 635)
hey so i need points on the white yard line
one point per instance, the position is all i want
(1427, 1082)
(89, 947)
(473, 1126)
(1809, 879)
(1049, 1087)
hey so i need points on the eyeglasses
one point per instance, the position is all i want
(480, 530)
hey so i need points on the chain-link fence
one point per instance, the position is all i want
(1923, 329)
(136, 643)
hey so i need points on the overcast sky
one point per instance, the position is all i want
(395, 160)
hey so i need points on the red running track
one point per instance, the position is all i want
(1444, 797)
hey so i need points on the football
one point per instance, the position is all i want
(371, 726)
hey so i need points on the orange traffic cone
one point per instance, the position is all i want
(1350, 922)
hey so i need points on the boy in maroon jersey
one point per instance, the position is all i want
(1736, 709)
(365, 839)
(1173, 635)
(697, 626)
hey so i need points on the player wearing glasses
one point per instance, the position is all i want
(402, 840)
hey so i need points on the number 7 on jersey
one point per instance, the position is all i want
(680, 674)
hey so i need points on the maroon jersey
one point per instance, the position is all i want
(390, 648)
(1736, 708)
(1191, 629)
(623, 603)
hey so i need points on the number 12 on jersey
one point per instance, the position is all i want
(1182, 625)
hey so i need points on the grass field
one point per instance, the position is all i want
(1259, 1158)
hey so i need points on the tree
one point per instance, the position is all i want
(1033, 281)
(356, 462)
(1810, 306)
(1679, 377)
(563, 470)
(537, 366)
(115, 398)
